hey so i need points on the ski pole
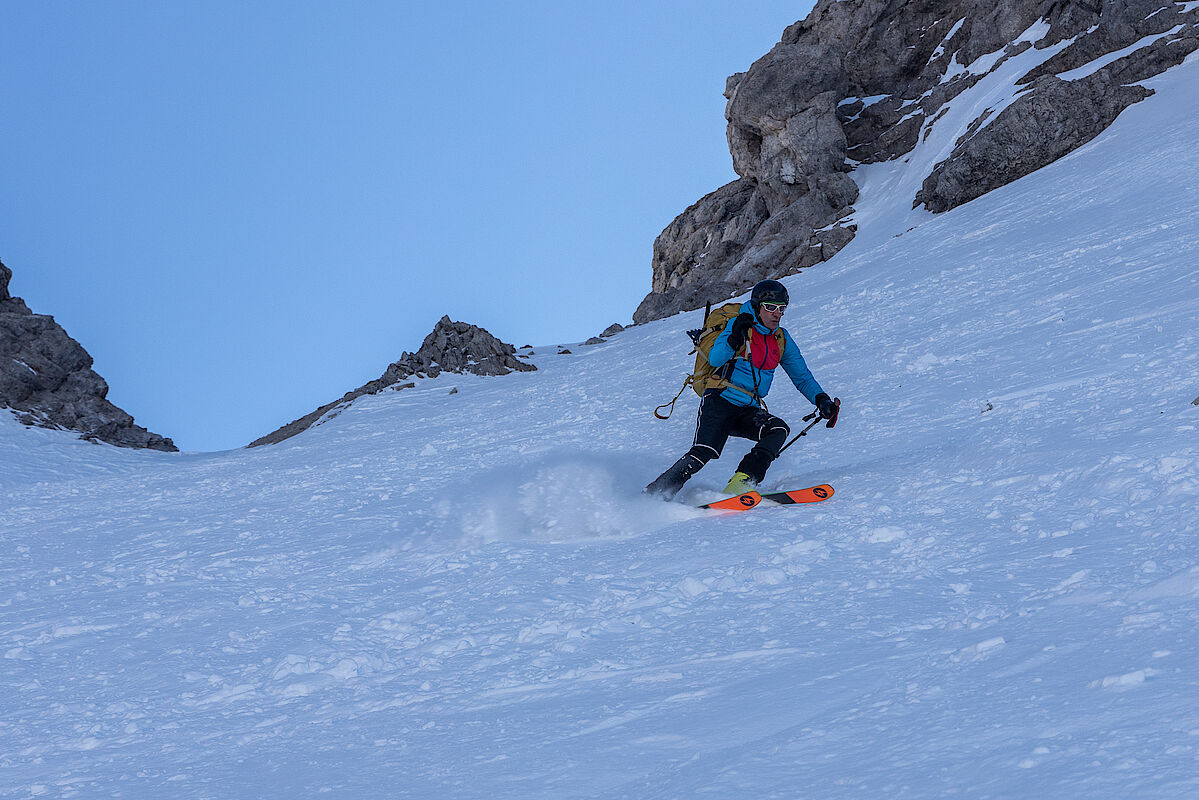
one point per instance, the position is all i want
(816, 419)
(804, 432)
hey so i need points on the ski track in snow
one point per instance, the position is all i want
(465, 596)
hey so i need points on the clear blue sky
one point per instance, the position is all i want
(245, 209)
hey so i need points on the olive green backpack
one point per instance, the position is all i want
(703, 375)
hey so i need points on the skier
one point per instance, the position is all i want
(734, 406)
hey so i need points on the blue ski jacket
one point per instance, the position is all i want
(758, 376)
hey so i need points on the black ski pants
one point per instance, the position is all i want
(719, 419)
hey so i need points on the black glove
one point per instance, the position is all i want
(740, 329)
(826, 406)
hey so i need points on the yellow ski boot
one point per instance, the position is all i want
(740, 483)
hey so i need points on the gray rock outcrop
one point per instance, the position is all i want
(612, 330)
(451, 347)
(1055, 116)
(46, 379)
(861, 81)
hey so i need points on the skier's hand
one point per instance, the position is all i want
(740, 329)
(826, 406)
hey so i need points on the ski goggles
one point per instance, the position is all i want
(773, 308)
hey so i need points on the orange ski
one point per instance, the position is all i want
(813, 494)
(741, 502)
(744, 502)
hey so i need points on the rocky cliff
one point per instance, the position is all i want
(46, 379)
(862, 81)
(451, 347)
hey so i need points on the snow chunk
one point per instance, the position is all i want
(1076, 578)
(1125, 681)
(885, 534)
(926, 363)
(976, 652)
(1169, 465)
(1182, 584)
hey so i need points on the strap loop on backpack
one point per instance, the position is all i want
(670, 405)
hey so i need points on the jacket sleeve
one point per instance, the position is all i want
(721, 352)
(797, 370)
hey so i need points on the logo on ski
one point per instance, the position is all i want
(739, 502)
(820, 492)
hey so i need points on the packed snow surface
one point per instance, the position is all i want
(464, 595)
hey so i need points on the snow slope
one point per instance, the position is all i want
(439, 595)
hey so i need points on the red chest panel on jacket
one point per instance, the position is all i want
(765, 351)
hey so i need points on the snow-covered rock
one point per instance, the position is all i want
(866, 81)
(47, 380)
(451, 346)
